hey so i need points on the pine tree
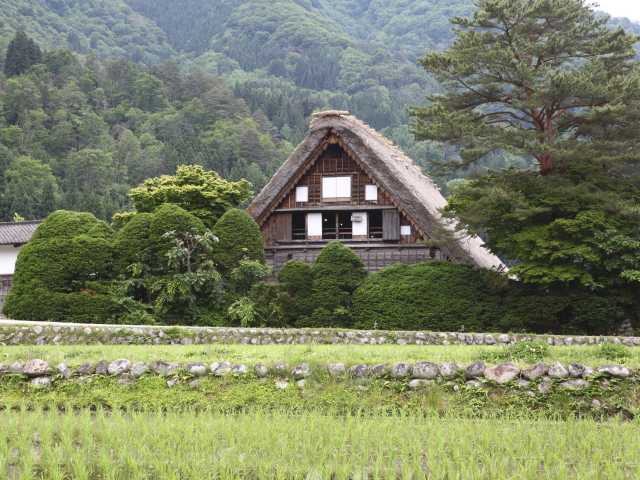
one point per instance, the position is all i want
(22, 54)
(527, 77)
(549, 81)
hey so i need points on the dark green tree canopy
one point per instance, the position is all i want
(239, 238)
(336, 273)
(57, 270)
(529, 77)
(22, 54)
(547, 80)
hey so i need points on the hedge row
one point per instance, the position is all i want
(451, 297)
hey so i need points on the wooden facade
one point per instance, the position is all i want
(347, 182)
(286, 231)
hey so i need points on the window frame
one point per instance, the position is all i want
(367, 190)
(336, 197)
(299, 190)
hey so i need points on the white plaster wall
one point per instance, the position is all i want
(8, 256)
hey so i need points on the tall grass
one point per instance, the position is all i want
(259, 445)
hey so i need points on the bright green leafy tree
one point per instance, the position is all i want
(30, 189)
(203, 193)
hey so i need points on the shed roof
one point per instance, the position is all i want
(411, 190)
(17, 233)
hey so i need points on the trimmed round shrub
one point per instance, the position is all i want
(66, 224)
(167, 218)
(296, 283)
(59, 263)
(296, 277)
(53, 269)
(132, 243)
(428, 296)
(239, 238)
(336, 274)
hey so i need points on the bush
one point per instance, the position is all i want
(66, 224)
(577, 311)
(41, 304)
(239, 238)
(247, 274)
(132, 243)
(54, 269)
(337, 273)
(445, 296)
(167, 218)
(296, 284)
(427, 296)
(296, 278)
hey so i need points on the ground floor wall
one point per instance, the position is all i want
(8, 257)
(5, 286)
(374, 256)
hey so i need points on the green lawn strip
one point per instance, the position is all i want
(314, 354)
(284, 445)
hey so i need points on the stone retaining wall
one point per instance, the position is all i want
(27, 333)
(535, 379)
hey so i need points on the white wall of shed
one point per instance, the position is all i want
(8, 257)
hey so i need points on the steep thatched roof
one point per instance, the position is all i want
(413, 193)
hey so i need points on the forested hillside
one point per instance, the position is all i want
(268, 65)
(77, 135)
(108, 28)
(287, 58)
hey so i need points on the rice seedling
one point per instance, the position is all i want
(48, 444)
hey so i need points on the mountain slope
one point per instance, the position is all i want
(282, 58)
(108, 28)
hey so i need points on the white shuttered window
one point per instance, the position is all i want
(336, 187)
(314, 225)
(302, 194)
(371, 193)
(359, 224)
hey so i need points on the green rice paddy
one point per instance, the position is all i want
(110, 445)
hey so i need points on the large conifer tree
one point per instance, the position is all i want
(549, 81)
(22, 54)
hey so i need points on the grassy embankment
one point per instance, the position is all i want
(322, 392)
(313, 354)
(115, 445)
(230, 428)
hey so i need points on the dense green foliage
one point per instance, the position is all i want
(57, 271)
(296, 284)
(108, 29)
(567, 95)
(76, 133)
(445, 296)
(203, 193)
(239, 238)
(103, 125)
(22, 54)
(428, 296)
(158, 266)
(336, 274)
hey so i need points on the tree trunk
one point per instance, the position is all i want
(546, 163)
